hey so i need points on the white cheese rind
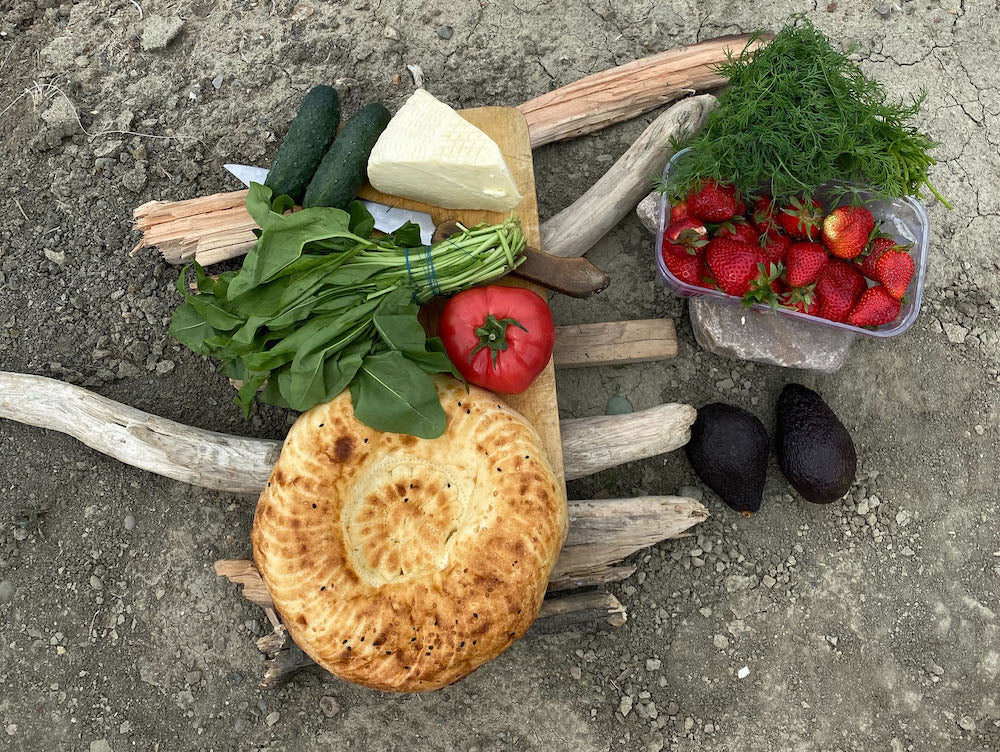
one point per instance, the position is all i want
(430, 153)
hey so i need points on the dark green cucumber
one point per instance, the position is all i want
(344, 168)
(309, 136)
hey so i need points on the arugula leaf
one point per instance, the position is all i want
(281, 244)
(392, 394)
(245, 396)
(213, 314)
(308, 371)
(433, 359)
(362, 223)
(189, 328)
(406, 235)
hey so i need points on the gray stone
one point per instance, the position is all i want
(735, 332)
(625, 706)
(101, 745)
(445, 32)
(721, 642)
(130, 522)
(618, 405)
(217, 82)
(691, 492)
(96, 583)
(60, 117)
(60, 52)
(956, 333)
(653, 664)
(576, 672)
(159, 31)
(272, 718)
(883, 10)
(6, 591)
(56, 257)
(329, 706)
(967, 723)
(648, 212)
(391, 32)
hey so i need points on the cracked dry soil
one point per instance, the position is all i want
(870, 624)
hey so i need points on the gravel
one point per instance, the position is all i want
(6, 591)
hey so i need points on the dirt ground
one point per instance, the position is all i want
(870, 624)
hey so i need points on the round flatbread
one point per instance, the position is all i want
(404, 564)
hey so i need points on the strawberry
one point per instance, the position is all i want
(801, 299)
(738, 268)
(738, 230)
(894, 269)
(678, 211)
(763, 215)
(847, 230)
(802, 218)
(712, 202)
(877, 306)
(685, 236)
(803, 263)
(775, 245)
(687, 268)
(866, 262)
(838, 287)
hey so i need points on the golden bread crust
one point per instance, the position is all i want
(404, 564)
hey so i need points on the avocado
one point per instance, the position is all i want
(815, 451)
(728, 451)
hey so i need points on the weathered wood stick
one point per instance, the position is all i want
(576, 612)
(594, 444)
(575, 230)
(620, 93)
(614, 343)
(242, 465)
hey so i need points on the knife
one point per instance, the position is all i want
(575, 277)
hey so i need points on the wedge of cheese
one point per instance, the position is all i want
(431, 154)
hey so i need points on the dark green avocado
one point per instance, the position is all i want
(728, 451)
(815, 451)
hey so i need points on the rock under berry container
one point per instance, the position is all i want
(903, 218)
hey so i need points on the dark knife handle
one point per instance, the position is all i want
(575, 277)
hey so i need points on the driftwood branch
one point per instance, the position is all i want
(626, 91)
(575, 230)
(614, 343)
(594, 444)
(242, 465)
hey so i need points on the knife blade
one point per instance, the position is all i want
(387, 218)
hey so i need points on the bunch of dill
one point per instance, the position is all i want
(797, 114)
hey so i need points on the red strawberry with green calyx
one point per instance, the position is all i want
(847, 230)
(685, 236)
(712, 202)
(866, 261)
(876, 306)
(894, 269)
(763, 216)
(737, 229)
(679, 211)
(801, 299)
(802, 218)
(775, 245)
(803, 263)
(687, 268)
(740, 268)
(838, 287)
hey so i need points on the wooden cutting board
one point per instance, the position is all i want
(509, 129)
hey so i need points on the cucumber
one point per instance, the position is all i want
(309, 136)
(344, 168)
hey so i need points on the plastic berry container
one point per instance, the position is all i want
(903, 218)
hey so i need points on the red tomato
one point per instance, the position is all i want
(499, 338)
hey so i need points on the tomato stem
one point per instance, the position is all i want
(493, 334)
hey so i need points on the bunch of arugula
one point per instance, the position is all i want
(319, 305)
(797, 114)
